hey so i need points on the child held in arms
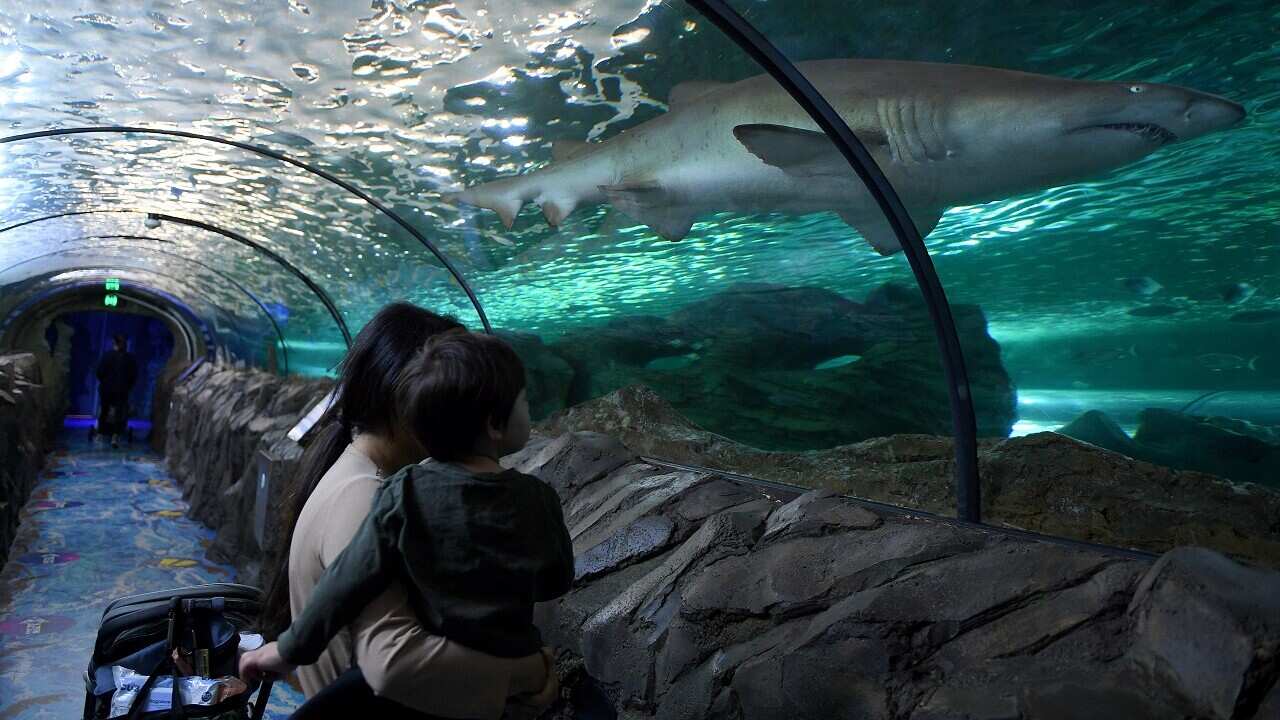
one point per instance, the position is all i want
(475, 545)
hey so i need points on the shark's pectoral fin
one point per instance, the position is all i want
(875, 229)
(800, 152)
(795, 151)
(686, 92)
(645, 201)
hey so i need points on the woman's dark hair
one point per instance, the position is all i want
(364, 401)
(457, 385)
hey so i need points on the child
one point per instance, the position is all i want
(474, 545)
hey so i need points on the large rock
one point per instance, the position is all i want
(719, 602)
(743, 362)
(29, 416)
(1045, 482)
(1226, 447)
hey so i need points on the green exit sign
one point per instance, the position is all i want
(111, 300)
(113, 284)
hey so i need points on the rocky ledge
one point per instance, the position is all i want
(220, 419)
(697, 597)
(701, 597)
(27, 423)
(1045, 482)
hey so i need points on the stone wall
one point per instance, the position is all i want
(698, 597)
(29, 415)
(701, 598)
(219, 421)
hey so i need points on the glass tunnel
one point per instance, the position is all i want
(1012, 267)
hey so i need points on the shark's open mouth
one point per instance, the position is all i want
(1147, 131)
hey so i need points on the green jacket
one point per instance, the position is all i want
(474, 552)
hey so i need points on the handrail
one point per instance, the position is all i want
(963, 420)
(265, 152)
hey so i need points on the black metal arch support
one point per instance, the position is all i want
(964, 424)
(153, 294)
(265, 152)
(284, 349)
(289, 267)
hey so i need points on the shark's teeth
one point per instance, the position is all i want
(1150, 131)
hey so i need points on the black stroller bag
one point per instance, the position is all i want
(174, 654)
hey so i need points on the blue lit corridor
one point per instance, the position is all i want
(99, 525)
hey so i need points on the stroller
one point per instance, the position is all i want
(183, 643)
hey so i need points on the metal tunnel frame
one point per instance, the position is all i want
(152, 294)
(289, 267)
(284, 349)
(963, 420)
(265, 152)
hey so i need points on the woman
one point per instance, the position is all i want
(360, 441)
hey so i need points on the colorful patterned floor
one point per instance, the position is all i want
(102, 523)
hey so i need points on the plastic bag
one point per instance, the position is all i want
(192, 690)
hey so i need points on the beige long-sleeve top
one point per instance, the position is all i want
(400, 659)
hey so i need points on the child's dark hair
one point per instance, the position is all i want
(458, 385)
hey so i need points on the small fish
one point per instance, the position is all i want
(1238, 293)
(1154, 311)
(1104, 356)
(1081, 385)
(836, 362)
(1255, 316)
(673, 362)
(172, 562)
(1144, 286)
(168, 513)
(1218, 362)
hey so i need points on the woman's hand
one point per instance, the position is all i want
(266, 660)
(527, 706)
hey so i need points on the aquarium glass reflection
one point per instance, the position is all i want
(1096, 183)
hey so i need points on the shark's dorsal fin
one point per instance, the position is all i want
(647, 202)
(687, 92)
(875, 229)
(800, 152)
(562, 150)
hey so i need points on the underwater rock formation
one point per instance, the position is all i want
(701, 598)
(548, 375)
(744, 362)
(1045, 482)
(1226, 447)
(28, 415)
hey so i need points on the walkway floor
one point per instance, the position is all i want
(101, 524)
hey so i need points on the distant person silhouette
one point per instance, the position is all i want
(117, 373)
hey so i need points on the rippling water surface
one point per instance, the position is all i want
(410, 99)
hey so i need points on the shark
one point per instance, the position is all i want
(943, 134)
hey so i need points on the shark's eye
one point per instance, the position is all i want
(1135, 89)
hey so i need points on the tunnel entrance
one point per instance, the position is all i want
(90, 333)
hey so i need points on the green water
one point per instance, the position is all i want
(411, 99)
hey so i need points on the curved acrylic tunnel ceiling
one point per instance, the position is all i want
(233, 320)
(150, 249)
(261, 262)
(410, 99)
(32, 317)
